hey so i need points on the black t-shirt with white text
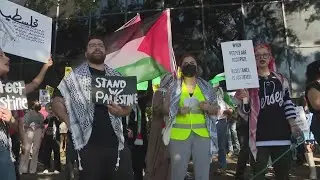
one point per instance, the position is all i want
(102, 134)
(276, 108)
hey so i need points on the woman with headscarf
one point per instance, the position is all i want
(7, 169)
(157, 159)
(270, 109)
(192, 106)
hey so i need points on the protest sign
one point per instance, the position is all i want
(44, 96)
(116, 89)
(13, 95)
(239, 65)
(67, 71)
(24, 32)
(301, 119)
(50, 89)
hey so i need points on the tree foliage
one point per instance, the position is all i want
(198, 30)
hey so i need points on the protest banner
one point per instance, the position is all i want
(13, 95)
(239, 65)
(301, 119)
(44, 96)
(117, 89)
(24, 32)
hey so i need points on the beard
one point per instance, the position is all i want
(97, 57)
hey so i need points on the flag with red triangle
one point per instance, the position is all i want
(142, 48)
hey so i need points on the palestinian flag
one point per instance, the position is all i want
(142, 48)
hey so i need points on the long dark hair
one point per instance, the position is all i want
(36, 106)
(313, 72)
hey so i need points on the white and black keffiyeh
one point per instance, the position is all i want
(209, 94)
(76, 91)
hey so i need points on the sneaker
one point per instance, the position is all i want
(56, 172)
(46, 171)
(188, 176)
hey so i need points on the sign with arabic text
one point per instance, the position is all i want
(13, 95)
(239, 65)
(24, 32)
(117, 89)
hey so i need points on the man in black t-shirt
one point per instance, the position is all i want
(96, 129)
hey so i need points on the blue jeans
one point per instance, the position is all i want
(7, 170)
(222, 128)
(233, 141)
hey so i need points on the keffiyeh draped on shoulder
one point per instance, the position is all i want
(76, 91)
(210, 96)
(253, 113)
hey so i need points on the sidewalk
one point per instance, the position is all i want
(298, 172)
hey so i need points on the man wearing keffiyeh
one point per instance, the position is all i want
(96, 130)
(271, 117)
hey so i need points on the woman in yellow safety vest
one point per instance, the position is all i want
(191, 131)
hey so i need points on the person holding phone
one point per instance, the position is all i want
(192, 105)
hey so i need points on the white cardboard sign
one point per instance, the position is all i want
(239, 65)
(301, 119)
(44, 96)
(24, 32)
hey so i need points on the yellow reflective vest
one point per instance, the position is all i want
(194, 121)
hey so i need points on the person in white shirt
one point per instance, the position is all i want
(222, 130)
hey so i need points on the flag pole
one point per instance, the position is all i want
(56, 28)
(172, 56)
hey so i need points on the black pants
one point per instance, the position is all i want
(281, 167)
(244, 154)
(71, 158)
(49, 146)
(16, 152)
(315, 124)
(300, 154)
(138, 161)
(98, 163)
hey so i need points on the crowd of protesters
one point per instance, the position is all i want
(192, 121)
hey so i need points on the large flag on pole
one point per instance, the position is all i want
(142, 48)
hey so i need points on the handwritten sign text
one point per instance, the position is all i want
(116, 89)
(13, 95)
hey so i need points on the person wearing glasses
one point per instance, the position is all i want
(97, 131)
(271, 117)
